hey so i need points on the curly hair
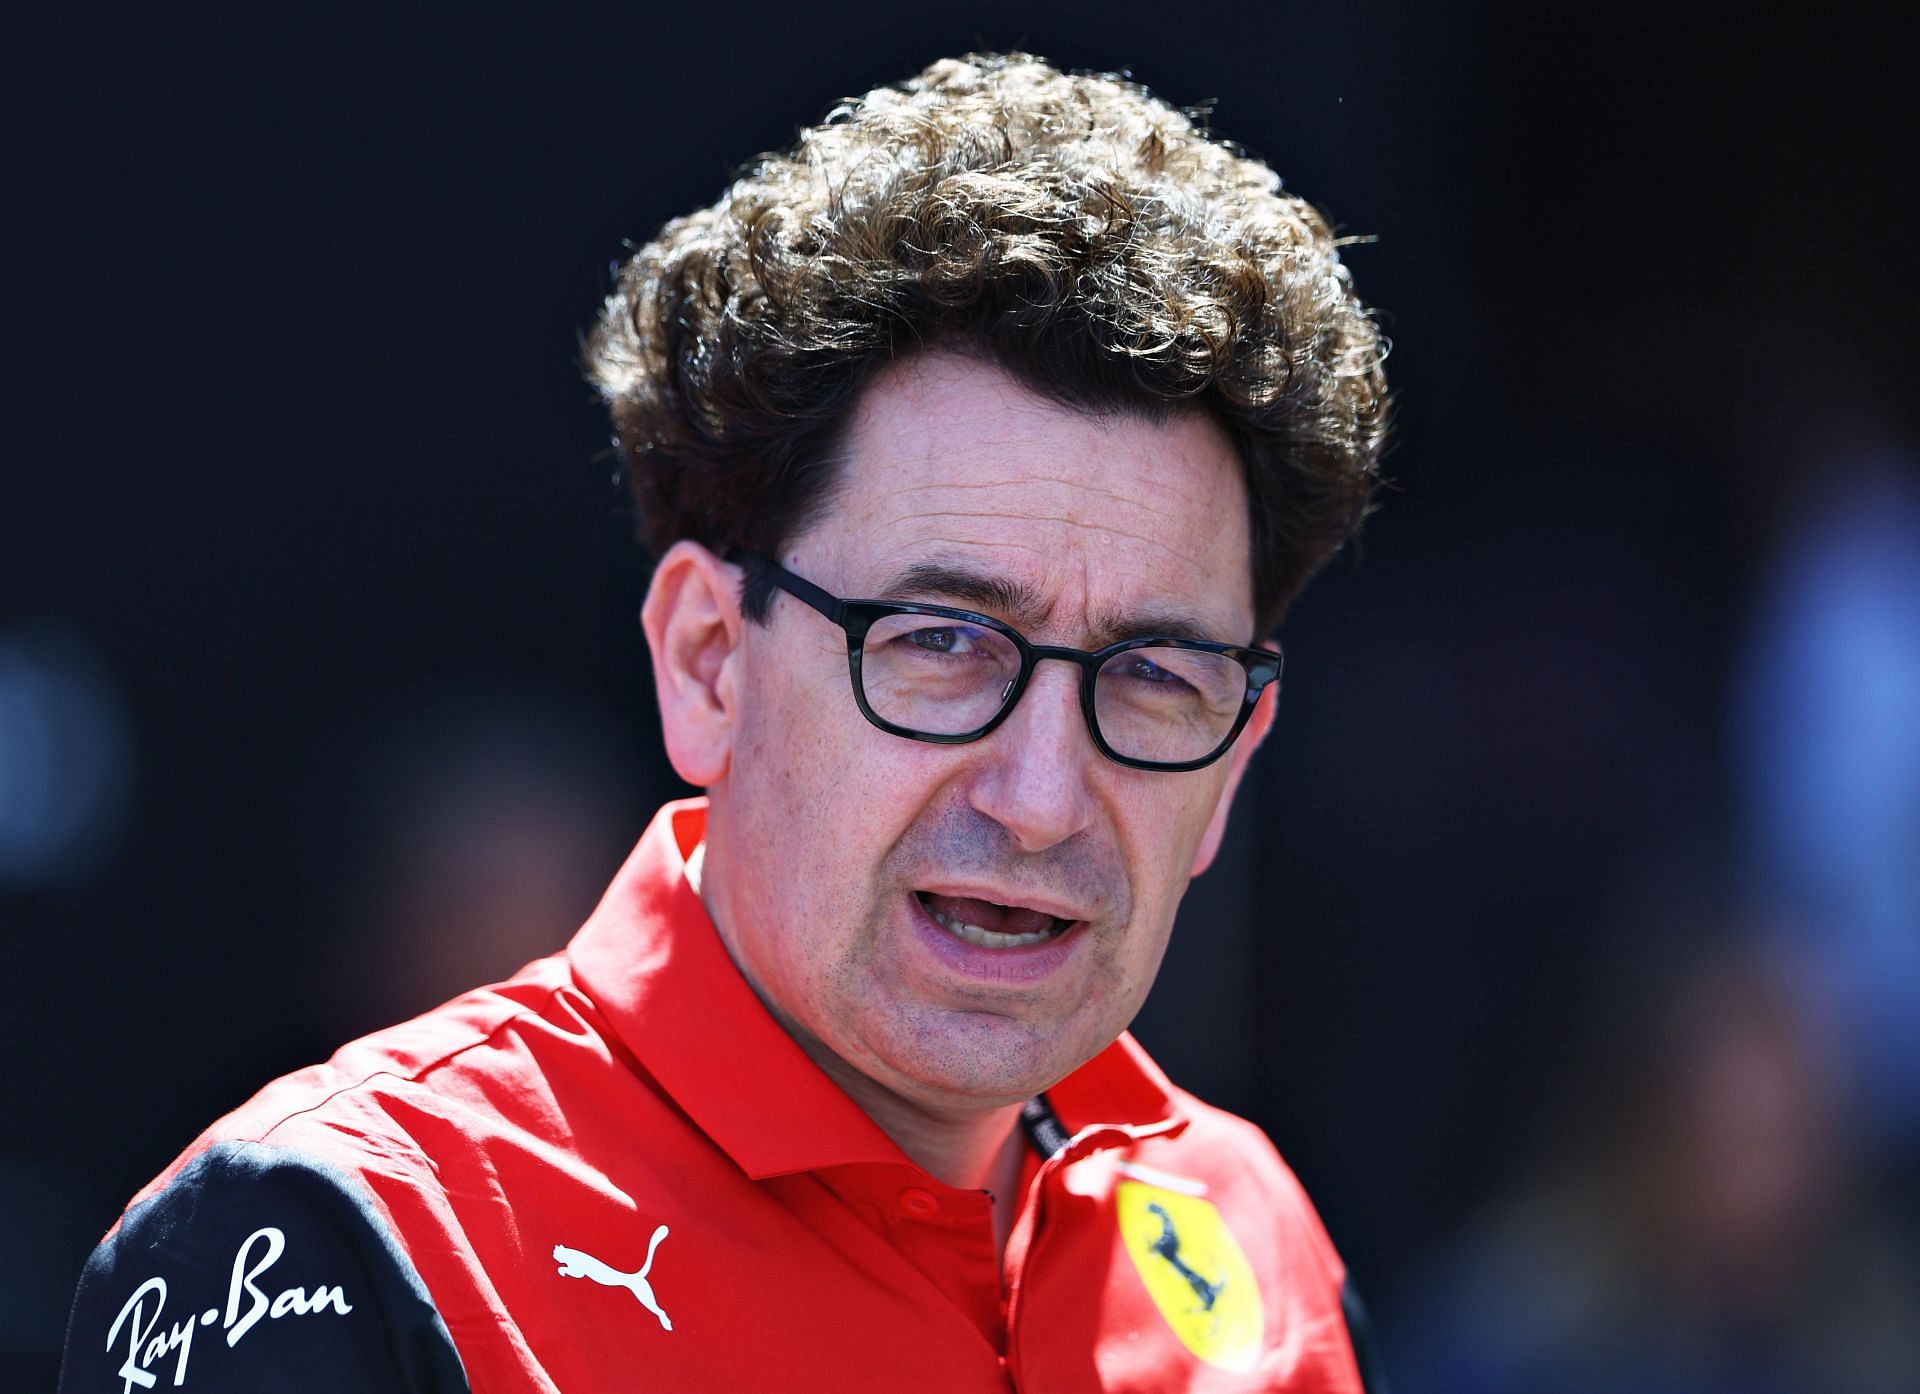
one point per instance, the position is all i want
(1077, 231)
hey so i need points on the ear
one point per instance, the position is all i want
(1255, 731)
(693, 626)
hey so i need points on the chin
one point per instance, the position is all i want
(983, 1061)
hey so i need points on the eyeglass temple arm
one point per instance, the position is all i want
(797, 586)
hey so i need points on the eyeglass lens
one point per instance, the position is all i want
(945, 677)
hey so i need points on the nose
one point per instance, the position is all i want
(1032, 777)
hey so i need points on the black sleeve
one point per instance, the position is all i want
(1366, 1351)
(255, 1269)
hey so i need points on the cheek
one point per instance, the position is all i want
(1164, 837)
(824, 804)
(793, 737)
(1165, 826)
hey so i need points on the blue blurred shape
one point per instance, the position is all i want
(1828, 735)
(66, 757)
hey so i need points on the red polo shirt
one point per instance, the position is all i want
(616, 1170)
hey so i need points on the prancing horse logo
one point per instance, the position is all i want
(1168, 1247)
(574, 1264)
(1192, 1268)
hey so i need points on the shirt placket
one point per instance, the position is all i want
(945, 1233)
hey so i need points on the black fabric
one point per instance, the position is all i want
(1045, 1133)
(1366, 1351)
(255, 1269)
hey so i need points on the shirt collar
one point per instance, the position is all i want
(1119, 1096)
(652, 962)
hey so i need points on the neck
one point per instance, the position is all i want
(974, 1151)
(969, 1148)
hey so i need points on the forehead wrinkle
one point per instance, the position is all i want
(1075, 490)
(1149, 539)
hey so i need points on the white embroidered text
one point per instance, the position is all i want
(247, 1303)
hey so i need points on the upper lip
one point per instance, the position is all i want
(1013, 899)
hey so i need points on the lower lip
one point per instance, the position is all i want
(1022, 963)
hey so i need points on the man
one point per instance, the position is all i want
(983, 439)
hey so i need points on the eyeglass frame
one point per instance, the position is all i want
(857, 617)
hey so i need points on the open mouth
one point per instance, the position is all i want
(989, 926)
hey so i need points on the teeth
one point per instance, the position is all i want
(983, 938)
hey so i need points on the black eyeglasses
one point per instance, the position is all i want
(931, 673)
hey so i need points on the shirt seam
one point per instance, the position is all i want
(419, 1074)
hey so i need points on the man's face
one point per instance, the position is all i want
(841, 857)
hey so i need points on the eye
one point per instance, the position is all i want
(1143, 669)
(956, 639)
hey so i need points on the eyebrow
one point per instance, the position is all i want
(1021, 605)
(1025, 608)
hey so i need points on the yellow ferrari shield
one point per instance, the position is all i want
(1195, 1272)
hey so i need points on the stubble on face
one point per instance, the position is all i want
(880, 1006)
(836, 825)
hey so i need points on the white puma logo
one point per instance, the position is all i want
(574, 1264)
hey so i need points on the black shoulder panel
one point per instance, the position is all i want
(1366, 1352)
(255, 1269)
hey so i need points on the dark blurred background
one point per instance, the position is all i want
(1568, 941)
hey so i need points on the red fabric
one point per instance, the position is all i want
(635, 1081)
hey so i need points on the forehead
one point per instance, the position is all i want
(951, 463)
